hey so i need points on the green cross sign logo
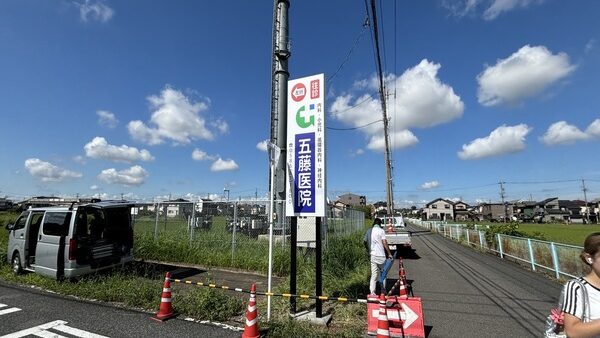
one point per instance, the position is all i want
(301, 116)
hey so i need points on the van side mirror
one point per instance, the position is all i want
(10, 227)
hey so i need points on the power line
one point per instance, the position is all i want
(329, 80)
(354, 128)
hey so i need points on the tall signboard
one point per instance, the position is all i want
(306, 147)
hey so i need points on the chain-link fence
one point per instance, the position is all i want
(561, 260)
(207, 231)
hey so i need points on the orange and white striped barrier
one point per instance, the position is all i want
(251, 327)
(383, 326)
(166, 309)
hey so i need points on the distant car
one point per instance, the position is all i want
(67, 242)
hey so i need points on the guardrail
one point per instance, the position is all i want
(561, 260)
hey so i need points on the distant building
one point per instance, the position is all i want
(5, 203)
(439, 209)
(353, 200)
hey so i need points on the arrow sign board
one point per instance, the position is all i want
(406, 318)
(305, 173)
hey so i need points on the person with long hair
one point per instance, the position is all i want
(581, 308)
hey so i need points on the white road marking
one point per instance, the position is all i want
(48, 334)
(9, 310)
(58, 325)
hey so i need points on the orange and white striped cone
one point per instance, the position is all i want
(402, 290)
(166, 309)
(251, 327)
(383, 326)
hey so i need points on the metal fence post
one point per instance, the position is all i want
(193, 223)
(500, 245)
(233, 233)
(468, 238)
(157, 206)
(480, 238)
(555, 260)
(531, 258)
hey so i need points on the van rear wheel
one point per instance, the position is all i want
(16, 264)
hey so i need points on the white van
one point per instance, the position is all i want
(66, 242)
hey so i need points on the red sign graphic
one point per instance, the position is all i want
(298, 92)
(315, 89)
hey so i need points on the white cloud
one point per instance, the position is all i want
(430, 185)
(503, 140)
(500, 6)
(94, 187)
(220, 125)
(99, 148)
(101, 196)
(224, 165)
(48, 172)
(359, 151)
(94, 10)
(398, 140)
(422, 101)
(563, 133)
(133, 176)
(593, 130)
(107, 119)
(175, 117)
(199, 155)
(591, 44)
(525, 73)
(79, 159)
(492, 8)
(262, 145)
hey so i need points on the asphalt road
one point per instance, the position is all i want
(467, 293)
(26, 311)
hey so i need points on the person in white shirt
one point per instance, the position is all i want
(378, 250)
(573, 303)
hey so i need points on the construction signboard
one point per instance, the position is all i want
(305, 172)
(405, 317)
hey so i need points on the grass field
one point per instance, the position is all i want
(573, 234)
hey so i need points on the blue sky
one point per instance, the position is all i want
(156, 98)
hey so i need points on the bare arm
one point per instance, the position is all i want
(574, 327)
(387, 248)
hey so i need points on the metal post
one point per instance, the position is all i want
(234, 231)
(318, 265)
(531, 257)
(293, 244)
(468, 238)
(280, 76)
(157, 205)
(500, 245)
(480, 239)
(270, 272)
(555, 260)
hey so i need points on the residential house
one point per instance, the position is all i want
(494, 212)
(526, 211)
(439, 209)
(575, 208)
(353, 200)
(551, 212)
(461, 211)
(594, 211)
(5, 203)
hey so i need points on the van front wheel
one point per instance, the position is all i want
(16, 264)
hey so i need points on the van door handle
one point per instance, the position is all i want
(21, 235)
(40, 237)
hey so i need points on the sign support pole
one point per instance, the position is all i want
(293, 251)
(318, 264)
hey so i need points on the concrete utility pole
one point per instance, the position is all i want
(587, 211)
(280, 76)
(502, 197)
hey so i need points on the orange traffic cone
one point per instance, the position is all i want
(166, 310)
(251, 327)
(402, 290)
(383, 326)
